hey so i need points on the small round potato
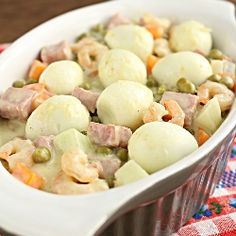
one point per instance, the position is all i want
(62, 77)
(55, 115)
(157, 145)
(120, 64)
(190, 36)
(123, 103)
(189, 65)
(131, 37)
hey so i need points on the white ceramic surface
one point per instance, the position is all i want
(30, 212)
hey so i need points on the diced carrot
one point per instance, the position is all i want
(36, 69)
(43, 94)
(39, 100)
(156, 31)
(27, 176)
(151, 61)
(202, 136)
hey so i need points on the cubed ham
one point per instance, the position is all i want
(107, 165)
(109, 135)
(187, 102)
(16, 103)
(118, 19)
(44, 141)
(56, 52)
(88, 98)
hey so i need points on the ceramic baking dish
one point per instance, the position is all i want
(156, 205)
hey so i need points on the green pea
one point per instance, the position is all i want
(216, 54)
(227, 81)
(99, 28)
(41, 155)
(157, 97)
(185, 86)
(214, 78)
(122, 153)
(104, 150)
(18, 84)
(96, 119)
(81, 36)
(31, 81)
(151, 82)
(161, 89)
(110, 182)
(86, 86)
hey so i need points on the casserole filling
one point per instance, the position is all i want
(126, 99)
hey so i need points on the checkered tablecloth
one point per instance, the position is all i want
(218, 216)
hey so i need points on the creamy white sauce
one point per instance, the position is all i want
(10, 129)
(49, 170)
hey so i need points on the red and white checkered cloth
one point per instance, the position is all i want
(218, 216)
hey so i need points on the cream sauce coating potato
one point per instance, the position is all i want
(189, 65)
(123, 103)
(131, 37)
(157, 145)
(120, 64)
(10, 129)
(191, 35)
(57, 114)
(62, 77)
(71, 139)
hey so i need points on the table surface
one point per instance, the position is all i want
(19, 16)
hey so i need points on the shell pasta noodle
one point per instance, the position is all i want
(126, 99)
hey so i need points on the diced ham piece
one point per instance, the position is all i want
(118, 19)
(56, 52)
(16, 103)
(109, 135)
(88, 98)
(107, 165)
(187, 102)
(44, 141)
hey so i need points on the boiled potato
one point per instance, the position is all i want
(189, 65)
(123, 103)
(131, 37)
(217, 66)
(120, 64)
(62, 77)
(129, 173)
(190, 36)
(55, 115)
(157, 145)
(209, 118)
(72, 138)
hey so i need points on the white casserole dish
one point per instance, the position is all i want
(160, 203)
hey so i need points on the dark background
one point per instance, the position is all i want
(19, 16)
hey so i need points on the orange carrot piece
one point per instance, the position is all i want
(27, 176)
(156, 31)
(151, 61)
(202, 136)
(36, 69)
(43, 94)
